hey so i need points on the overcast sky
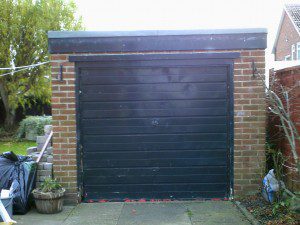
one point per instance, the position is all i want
(104, 15)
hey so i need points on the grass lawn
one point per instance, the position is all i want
(18, 147)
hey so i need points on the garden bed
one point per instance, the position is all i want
(264, 212)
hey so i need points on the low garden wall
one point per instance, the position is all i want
(45, 166)
(289, 78)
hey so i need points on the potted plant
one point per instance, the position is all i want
(49, 197)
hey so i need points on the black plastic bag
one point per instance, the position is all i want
(18, 172)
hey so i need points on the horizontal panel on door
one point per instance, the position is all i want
(205, 170)
(135, 113)
(150, 121)
(135, 64)
(91, 147)
(109, 80)
(205, 128)
(123, 155)
(137, 88)
(158, 104)
(193, 63)
(157, 179)
(153, 71)
(154, 96)
(156, 187)
(154, 138)
(152, 162)
(188, 195)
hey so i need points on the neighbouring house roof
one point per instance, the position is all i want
(293, 12)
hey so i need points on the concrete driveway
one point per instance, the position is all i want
(162, 213)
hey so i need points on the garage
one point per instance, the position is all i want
(153, 114)
(155, 126)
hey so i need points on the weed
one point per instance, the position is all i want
(189, 213)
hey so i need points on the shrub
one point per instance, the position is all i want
(50, 185)
(33, 126)
(6, 133)
(2, 131)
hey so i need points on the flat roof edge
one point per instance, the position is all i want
(87, 34)
(149, 41)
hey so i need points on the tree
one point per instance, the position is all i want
(23, 41)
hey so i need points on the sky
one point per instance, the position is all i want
(107, 15)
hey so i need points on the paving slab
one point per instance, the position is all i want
(154, 213)
(95, 213)
(215, 212)
(161, 213)
(35, 218)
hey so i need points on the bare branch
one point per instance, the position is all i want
(279, 104)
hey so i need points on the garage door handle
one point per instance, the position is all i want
(154, 122)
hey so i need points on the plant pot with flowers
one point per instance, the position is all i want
(49, 197)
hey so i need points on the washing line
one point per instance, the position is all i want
(28, 66)
(21, 68)
(12, 72)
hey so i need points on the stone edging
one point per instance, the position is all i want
(246, 213)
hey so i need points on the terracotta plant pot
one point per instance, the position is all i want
(49, 202)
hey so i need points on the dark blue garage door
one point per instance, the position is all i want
(155, 126)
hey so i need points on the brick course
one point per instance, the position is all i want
(249, 124)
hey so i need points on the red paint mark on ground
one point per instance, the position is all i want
(127, 200)
(154, 200)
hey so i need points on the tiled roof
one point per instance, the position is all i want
(294, 12)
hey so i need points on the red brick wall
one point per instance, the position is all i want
(64, 125)
(249, 127)
(287, 37)
(249, 123)
(290, 78)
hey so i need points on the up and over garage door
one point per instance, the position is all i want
(155, 126)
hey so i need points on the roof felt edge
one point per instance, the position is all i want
(158, 41)
(87, 34)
